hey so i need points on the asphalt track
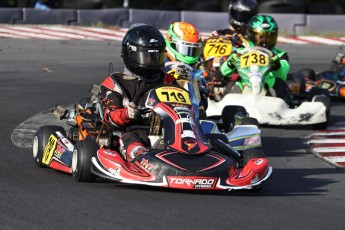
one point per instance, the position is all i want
(35, 75)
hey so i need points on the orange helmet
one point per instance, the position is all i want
(183, 43)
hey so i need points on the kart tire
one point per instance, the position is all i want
(280, 89)
(327, 102)
(252, 153)
(318, 91)
(81, 160)
(228, 115)
(249, 121)
(40, 140)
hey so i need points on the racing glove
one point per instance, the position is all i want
(232, 60)
(132, 111)
(275, 62)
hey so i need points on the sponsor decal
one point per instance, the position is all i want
(49, 149)
(265, 25)
(153, 40)
(259, 162)
(255, 180)
(151, 101)
(59, 151)
(179, 108)
(59, 134)
(67, 143)
(190, 144)
(133, 48)
(109, 153)
(192, 44)
(147, 165)
(153, 51)
(116, 171)
(182, 120)
(192, 182)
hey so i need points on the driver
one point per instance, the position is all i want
(240, 12)
(263, 31)
(143, 53)
(184, 44)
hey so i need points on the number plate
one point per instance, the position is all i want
(217, 48)
(254, 58)
(173, 95)
(49, 150)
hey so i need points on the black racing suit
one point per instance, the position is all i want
(117, 91)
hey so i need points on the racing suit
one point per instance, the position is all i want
(275, 79)
(117, 91)
(238, 39)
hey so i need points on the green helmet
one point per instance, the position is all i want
(183, 43)
(263, 31)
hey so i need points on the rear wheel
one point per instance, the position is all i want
(81, 160)
(41, 140)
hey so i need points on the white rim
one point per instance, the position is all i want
(74, 160)
(35, 147)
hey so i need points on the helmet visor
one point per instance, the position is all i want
(241, 17)
(262, 38)
(148, 57)
(190, 49)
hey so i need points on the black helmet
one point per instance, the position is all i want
(240, 12)
(143, 50)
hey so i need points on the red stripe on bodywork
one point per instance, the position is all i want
(60, 167)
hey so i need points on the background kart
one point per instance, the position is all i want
(216, 51)
(332, 80)
(270, 110)
(180, 157)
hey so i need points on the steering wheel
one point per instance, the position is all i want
(257, 48)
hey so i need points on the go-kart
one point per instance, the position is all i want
(181, 156)
(332, 80)
(216, 51)
(253, 67)
(241, 130)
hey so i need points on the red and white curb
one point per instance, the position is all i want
(60, 32)
(329, 145)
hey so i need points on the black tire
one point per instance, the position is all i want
(228, 115)
(81, 160)
(318, 91)
(249, 121)
(40, 140)
(281, 89)
(252, 153)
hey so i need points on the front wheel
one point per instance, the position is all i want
(41, 139)
(81, 160)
